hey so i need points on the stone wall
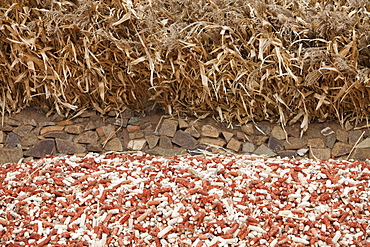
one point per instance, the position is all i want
(30, 134)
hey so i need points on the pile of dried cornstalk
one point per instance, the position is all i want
(238, 60)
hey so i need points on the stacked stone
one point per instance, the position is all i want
(31, 135)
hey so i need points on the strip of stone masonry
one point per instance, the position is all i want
(31, 134)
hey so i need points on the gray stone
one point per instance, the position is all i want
(137, 144)
(97, 148)
(263, 129)
(212, 141)
(361, 154)
(114, 145)
(364, 144)
(248, 129)
(295, 143)
(88, 137)
(42, 148)
(152, 140)
(287, 154)
(274, 144)
(22, 130)
(166, 152)
(293, 130)
(146, 126)
(258, 140)
(29, 139)
(314, 130)
(165, 142)
(330, 140)
(127, 114)
(74, 129)
(136, 135)
(342, 135)
(135, 120)
(12, 140)
(320, 153)
(327, 131)
(316, 143)
(10, 155)
(57, 134)
(354, 136)
(193, 132)
(168, 127)
(210, 131)
(278, 132)
(234, 145)
(183, 124)
(184, 140)
(341, 149)
(69, 147)
(248, 147)
(264, 151)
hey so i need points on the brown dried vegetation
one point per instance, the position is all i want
(240, 60)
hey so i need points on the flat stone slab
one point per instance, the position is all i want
(47, 129)
(295, 143)
(210, 131)
(137, 144)
(248, 129)
(212, 141)
(152, 140)
(364, 144)
(75, 129)
(320, 153)
(361, 154)
(341, 149)
(12, 140)
(42, 148)
(184, 140)
(234, 145)
(275, 145)
(23, 129)
(165, 142)
(105, 131)
(168, 127)
(10, 155)
(29, 139)
(57, 134)
(264, 150)
(248, 147)
(88, 137)
(193, 132)
(69, 147)
(114, 145)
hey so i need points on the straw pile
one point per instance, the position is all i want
(242, 60)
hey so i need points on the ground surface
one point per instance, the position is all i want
(142, 200)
